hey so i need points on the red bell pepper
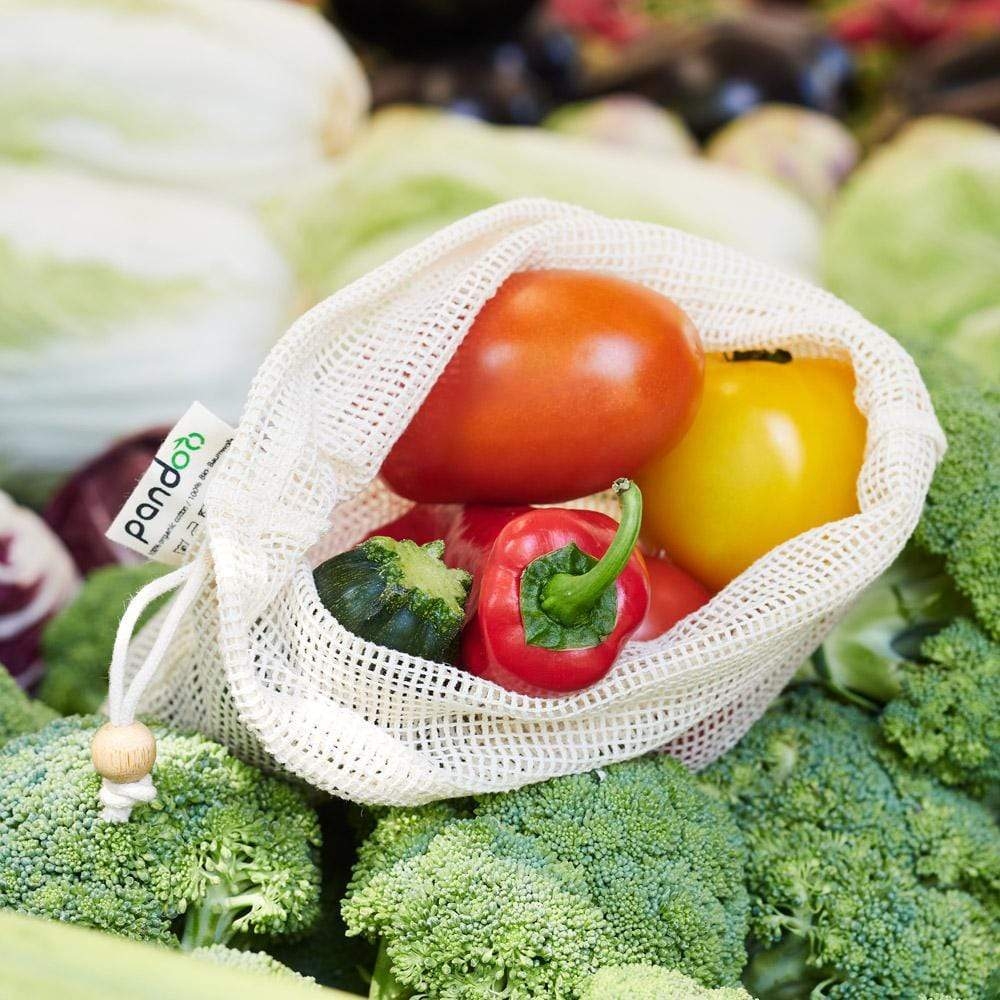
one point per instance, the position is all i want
(674, 594)
(560, 593)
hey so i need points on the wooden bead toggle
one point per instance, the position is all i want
(123, 754)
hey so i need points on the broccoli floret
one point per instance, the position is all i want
(18, 713)
(875, 881)
(400, 834)
(483, 910)
(77, 642)
(961, 519)
(250, 961)
(946, 716)
(664, 862)
(325, 953)
(533, 890)
(223, 847)
(651, 982)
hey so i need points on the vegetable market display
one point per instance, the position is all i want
(640, 871)
(846, 848)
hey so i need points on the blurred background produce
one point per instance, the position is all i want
(135, 272)
(37, 578)
(123, 302)
(178, 182)
(416, 170)
(201, 94)
(914, 241)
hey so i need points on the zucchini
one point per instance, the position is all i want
(398, 594)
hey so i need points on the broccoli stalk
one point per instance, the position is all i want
(384, 985)
(224, 850)
(231, 895)
(529, 892)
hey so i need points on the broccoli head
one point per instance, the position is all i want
(651, 982)
(223, 850)
(946, 716)
(868, 880)
(531, 891)
(77, 642)
(484, 910)
(19, 713)
(961, 519)
(250, 961)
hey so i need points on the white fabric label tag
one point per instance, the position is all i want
(165, 514)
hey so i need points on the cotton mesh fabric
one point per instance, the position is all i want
(261, 666)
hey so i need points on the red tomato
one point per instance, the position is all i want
(674, 594)
(566, 381)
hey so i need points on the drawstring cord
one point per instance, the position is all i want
(123, 750)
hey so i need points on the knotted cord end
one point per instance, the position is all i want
(120, 798)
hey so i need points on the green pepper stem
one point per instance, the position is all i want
(567, 598)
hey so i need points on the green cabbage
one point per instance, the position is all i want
(417, 170)
(229, 94)
(121, 304)
(913, 242)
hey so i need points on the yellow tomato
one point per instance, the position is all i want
(774, 450)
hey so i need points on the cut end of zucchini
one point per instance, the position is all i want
(420, 570)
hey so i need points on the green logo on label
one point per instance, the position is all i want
(181, 458)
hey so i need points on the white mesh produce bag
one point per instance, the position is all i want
(248, 655)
